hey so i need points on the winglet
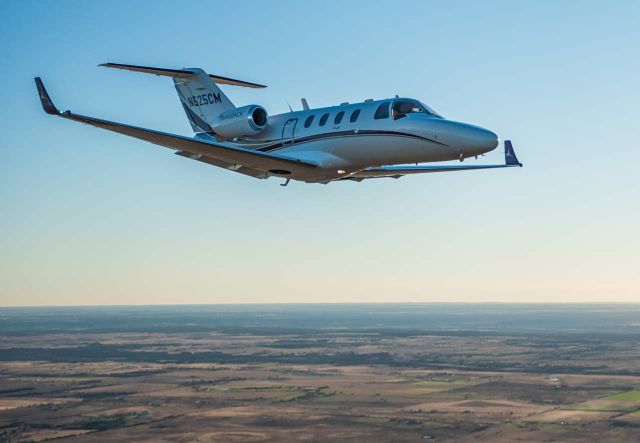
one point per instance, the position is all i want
(47, 104)
(510, 158)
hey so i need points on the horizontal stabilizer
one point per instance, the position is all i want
(181, 73)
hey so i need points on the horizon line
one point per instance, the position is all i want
(574, 303)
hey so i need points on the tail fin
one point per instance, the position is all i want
(201, 98)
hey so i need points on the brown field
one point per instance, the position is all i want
(225, 387)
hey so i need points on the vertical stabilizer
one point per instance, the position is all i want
(202, 99)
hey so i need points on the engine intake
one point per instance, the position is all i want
(241, 122)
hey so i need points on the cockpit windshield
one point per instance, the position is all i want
(403, 107)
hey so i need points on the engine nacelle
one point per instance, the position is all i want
(241, 122)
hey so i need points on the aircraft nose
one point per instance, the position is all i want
(486, 140)
(470, 139)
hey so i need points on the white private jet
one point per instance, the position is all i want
(352, 141)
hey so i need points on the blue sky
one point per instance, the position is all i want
(91, 217)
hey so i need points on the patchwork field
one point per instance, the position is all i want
(260, 384)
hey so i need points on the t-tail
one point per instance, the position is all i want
(203, 101)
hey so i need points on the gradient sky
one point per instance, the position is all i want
(92, 217)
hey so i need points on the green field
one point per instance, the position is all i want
(602, 406)
(625, 396)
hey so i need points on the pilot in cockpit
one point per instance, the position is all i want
(403, 107)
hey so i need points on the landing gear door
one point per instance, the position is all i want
(288, 131)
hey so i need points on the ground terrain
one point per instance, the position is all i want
(370, 373)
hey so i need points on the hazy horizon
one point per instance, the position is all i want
(484, 318)
(361, 303)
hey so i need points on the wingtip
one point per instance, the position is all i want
(45, 100)
(510, 155)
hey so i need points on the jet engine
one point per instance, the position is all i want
(241, 122)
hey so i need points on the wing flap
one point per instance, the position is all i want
(225, 165)
(397, 171)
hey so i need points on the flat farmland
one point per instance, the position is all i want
(145, 378)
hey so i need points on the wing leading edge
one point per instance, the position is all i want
(398, 171)
(227, 156)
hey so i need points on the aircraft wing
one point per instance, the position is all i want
(398, 171)
(219, 154)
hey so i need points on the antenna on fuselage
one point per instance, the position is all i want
(305, 105)
(290, 110)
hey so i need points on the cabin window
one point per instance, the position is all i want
(354, 116)
(308, 121)
(338, 118)
(323, 119)
(382, 111)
